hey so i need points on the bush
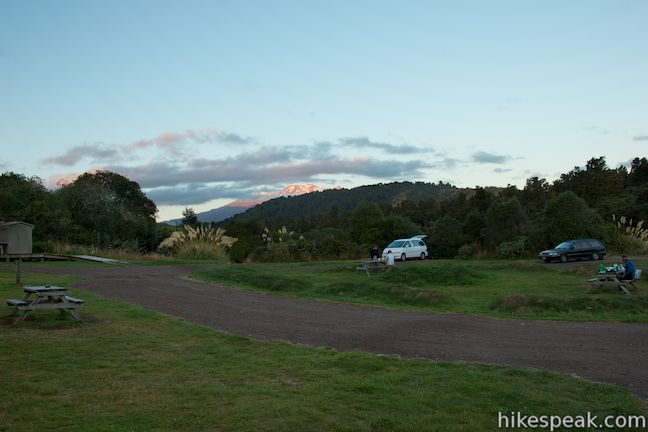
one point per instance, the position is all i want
(628, 236)
(466, 252)
(517, 248)
(202, 242)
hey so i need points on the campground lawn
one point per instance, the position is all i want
(127, 368)
(512, 289)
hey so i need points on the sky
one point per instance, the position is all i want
(207, 102)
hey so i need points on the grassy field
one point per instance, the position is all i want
(129, 369)
(521, 289)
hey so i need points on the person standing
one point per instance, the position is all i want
(374, 252)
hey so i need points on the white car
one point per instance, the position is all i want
(413, 247)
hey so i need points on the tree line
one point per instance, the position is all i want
(107, 210)
(506, 222)
(102, 209)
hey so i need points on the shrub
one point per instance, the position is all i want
(466, 251)
(513, 249)
(198, 243)
(283, 245)
(628, 236)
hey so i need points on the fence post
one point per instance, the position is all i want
(18, 271)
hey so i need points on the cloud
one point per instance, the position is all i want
(598, 129)
(446, 163)
(640, 138)
(364, 142)
(172, 143)
(3, 165)
(97, 152)
(240, 170)
(201, 177)
(233, 138)
(198, 193)
(200, 180)
(484, 157)
(57, 180)
(502, 170)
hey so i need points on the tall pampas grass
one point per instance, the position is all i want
(203, 242)
(630, 236)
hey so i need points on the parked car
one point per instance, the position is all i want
(574, 250)
(413, 247)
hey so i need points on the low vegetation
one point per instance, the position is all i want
(126, 368)
(521, 289)
(202, 242)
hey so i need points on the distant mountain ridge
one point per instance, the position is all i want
(314, 205)
(236, 207)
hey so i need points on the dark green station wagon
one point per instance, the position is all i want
(583, 249)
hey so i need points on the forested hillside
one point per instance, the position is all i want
(506, 222)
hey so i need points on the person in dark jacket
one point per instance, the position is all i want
(374, 252)
(629, 273)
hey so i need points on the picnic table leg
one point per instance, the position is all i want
(624, 289)
(22, 316)
(74, 314)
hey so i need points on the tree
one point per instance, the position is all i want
(189, 217)
(395, 226)
(473, 226)
(592, 183)
(535, 195)
(505, 220)
(366, 223)
(638, 172)
(567, 216)
(481, 200)
(107, 209)
(26, 199)
(445, 238)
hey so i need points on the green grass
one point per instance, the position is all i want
(130, 369)
(169, 261)
(519, 289)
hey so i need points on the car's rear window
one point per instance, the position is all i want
(595, 244)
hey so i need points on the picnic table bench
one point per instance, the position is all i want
(607, 279)
(371, 266)
(46, 297)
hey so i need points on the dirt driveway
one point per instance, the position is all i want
(615, 353)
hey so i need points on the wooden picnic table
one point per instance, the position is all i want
(610, 279)
(370, 266)
(45, 297)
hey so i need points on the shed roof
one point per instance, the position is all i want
(8, 224)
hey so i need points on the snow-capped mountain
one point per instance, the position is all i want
(291, 190)
(236, 207)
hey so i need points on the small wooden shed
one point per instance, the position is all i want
(15, 238)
